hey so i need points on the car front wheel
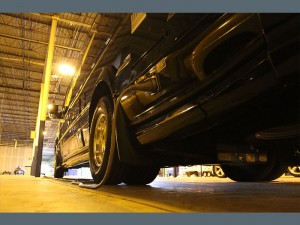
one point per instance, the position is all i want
(103, 158)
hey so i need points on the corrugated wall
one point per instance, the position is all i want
(11, 158)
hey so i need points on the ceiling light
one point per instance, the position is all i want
(50, 106)
(66, 69)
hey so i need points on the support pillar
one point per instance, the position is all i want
(40, 127)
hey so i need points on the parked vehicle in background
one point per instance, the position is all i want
(294, 170)
(19, 171)
(202, 171)
(6, 172)
(217, 170)
(192, 89)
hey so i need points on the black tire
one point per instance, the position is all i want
(277, 171)
(217, 170)
(294, 170)
(58, 170)
(103, 158)
(250, 173)
(246, 173)
(141, 175)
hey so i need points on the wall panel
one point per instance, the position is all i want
(11, 158)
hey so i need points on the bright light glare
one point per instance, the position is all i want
(44, 132)
(66, 70)
(50, 106)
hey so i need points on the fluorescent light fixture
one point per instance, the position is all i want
(66, 70)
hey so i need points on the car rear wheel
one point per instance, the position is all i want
(249, 173)
(58, 170)
(277, 171)
(103, 159)
(141, 175)
(246, 173)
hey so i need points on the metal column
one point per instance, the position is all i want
(37, 159)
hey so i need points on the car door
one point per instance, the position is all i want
(168, 33)
(71, 140)
(206, 77)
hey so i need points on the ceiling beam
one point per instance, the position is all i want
(72, 22)
(16, 132)
(30, 90)
(17, 122)
(17, 77)
(20, 100)
(19, 66)
(24, 57)
(23, 109)
(23, 60)
(31, 80)
(39, 42)
(18, 119)
(59, 97)
(13, 129)
(17, 114)
(9, 133)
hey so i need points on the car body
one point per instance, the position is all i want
(210, 89)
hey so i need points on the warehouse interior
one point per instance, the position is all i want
(83, 42)
(24, 39)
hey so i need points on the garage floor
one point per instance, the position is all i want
(197, 194)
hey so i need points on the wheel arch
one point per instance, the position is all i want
(124, 146)
(102, 89)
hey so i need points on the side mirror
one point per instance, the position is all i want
(124, 64)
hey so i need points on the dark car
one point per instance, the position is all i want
(6, 172)
(192, 89)
(19, 171)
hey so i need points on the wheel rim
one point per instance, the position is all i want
(100, 140)
(294, 169)
(219, 171)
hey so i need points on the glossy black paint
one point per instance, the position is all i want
(251, 83)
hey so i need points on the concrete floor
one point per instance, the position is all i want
(198, 194)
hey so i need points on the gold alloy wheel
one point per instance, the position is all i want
(100, 140)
